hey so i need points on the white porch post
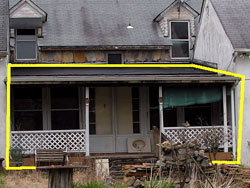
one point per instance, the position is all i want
(87, 119)
(224, 91)
(161, 110)
(233, 122)
(161, 126)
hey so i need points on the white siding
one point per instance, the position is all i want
(3, 74)
(243, 67)
(212, 43)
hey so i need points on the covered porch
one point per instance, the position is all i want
(97, 116)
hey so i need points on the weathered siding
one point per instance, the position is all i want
(3, 74)
(132, 56)
(212, 43)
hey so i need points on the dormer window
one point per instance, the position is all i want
(26, 44)
(180, 39)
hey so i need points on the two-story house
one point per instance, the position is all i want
(4, 20)
(224, 38)
(111, 109)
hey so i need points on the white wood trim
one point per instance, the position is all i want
(161, 110)
(193, 127)
(48, 131)
(87, 119)
(233, 122)
(224, 92)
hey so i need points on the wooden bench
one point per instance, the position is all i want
(51, 157)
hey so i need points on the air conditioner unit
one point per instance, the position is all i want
(139, 145)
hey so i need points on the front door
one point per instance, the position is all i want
(114, 116)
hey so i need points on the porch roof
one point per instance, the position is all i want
(116, 75)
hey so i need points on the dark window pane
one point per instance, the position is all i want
(92, 105)
(64, 120)
(92, 93)
(135, 93)
(136, 128)
(92, 129)
(180, 49)
(136, 104)
(114, 58)
(27, 121)
(154, 118)
(26, 32)
(198, 115)
(154, 97)
(170, 117)
(26, 49)
(27, 98)
(179, 30)
(64, 98)
(136, 116)
(92, 117)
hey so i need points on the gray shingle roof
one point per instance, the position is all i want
(3, 24)
(103, 22)
(235, 18)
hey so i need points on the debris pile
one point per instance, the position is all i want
(182, 154)
(134, 175)
(240, 174)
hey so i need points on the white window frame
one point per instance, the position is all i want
(25, 40)
(184, 40)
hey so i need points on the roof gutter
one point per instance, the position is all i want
(242, 50)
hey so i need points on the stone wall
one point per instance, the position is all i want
(131, 56)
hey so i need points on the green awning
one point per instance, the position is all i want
(185, 96)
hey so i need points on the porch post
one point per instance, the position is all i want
(224, 89)
(87, 119)
(233, 122)
(161, 109)
(161, 126)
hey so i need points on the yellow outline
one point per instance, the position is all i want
(122, 65)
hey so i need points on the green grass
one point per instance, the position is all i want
(90, 185)
(2, 183)
(96, 185)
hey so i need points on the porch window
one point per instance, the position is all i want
(64, 108)
(180, 39)
(28, 114)
(170, 114)
(26, 44)
(198, 115)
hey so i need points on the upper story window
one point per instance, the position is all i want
(180, 39)
(26, 44)
(115, 58)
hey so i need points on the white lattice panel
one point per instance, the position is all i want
(176, 134)
(71, 140)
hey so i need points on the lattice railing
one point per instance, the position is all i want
(70, 140)
(175, 134)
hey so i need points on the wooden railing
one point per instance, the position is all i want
(69, 140)
(177, 134)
